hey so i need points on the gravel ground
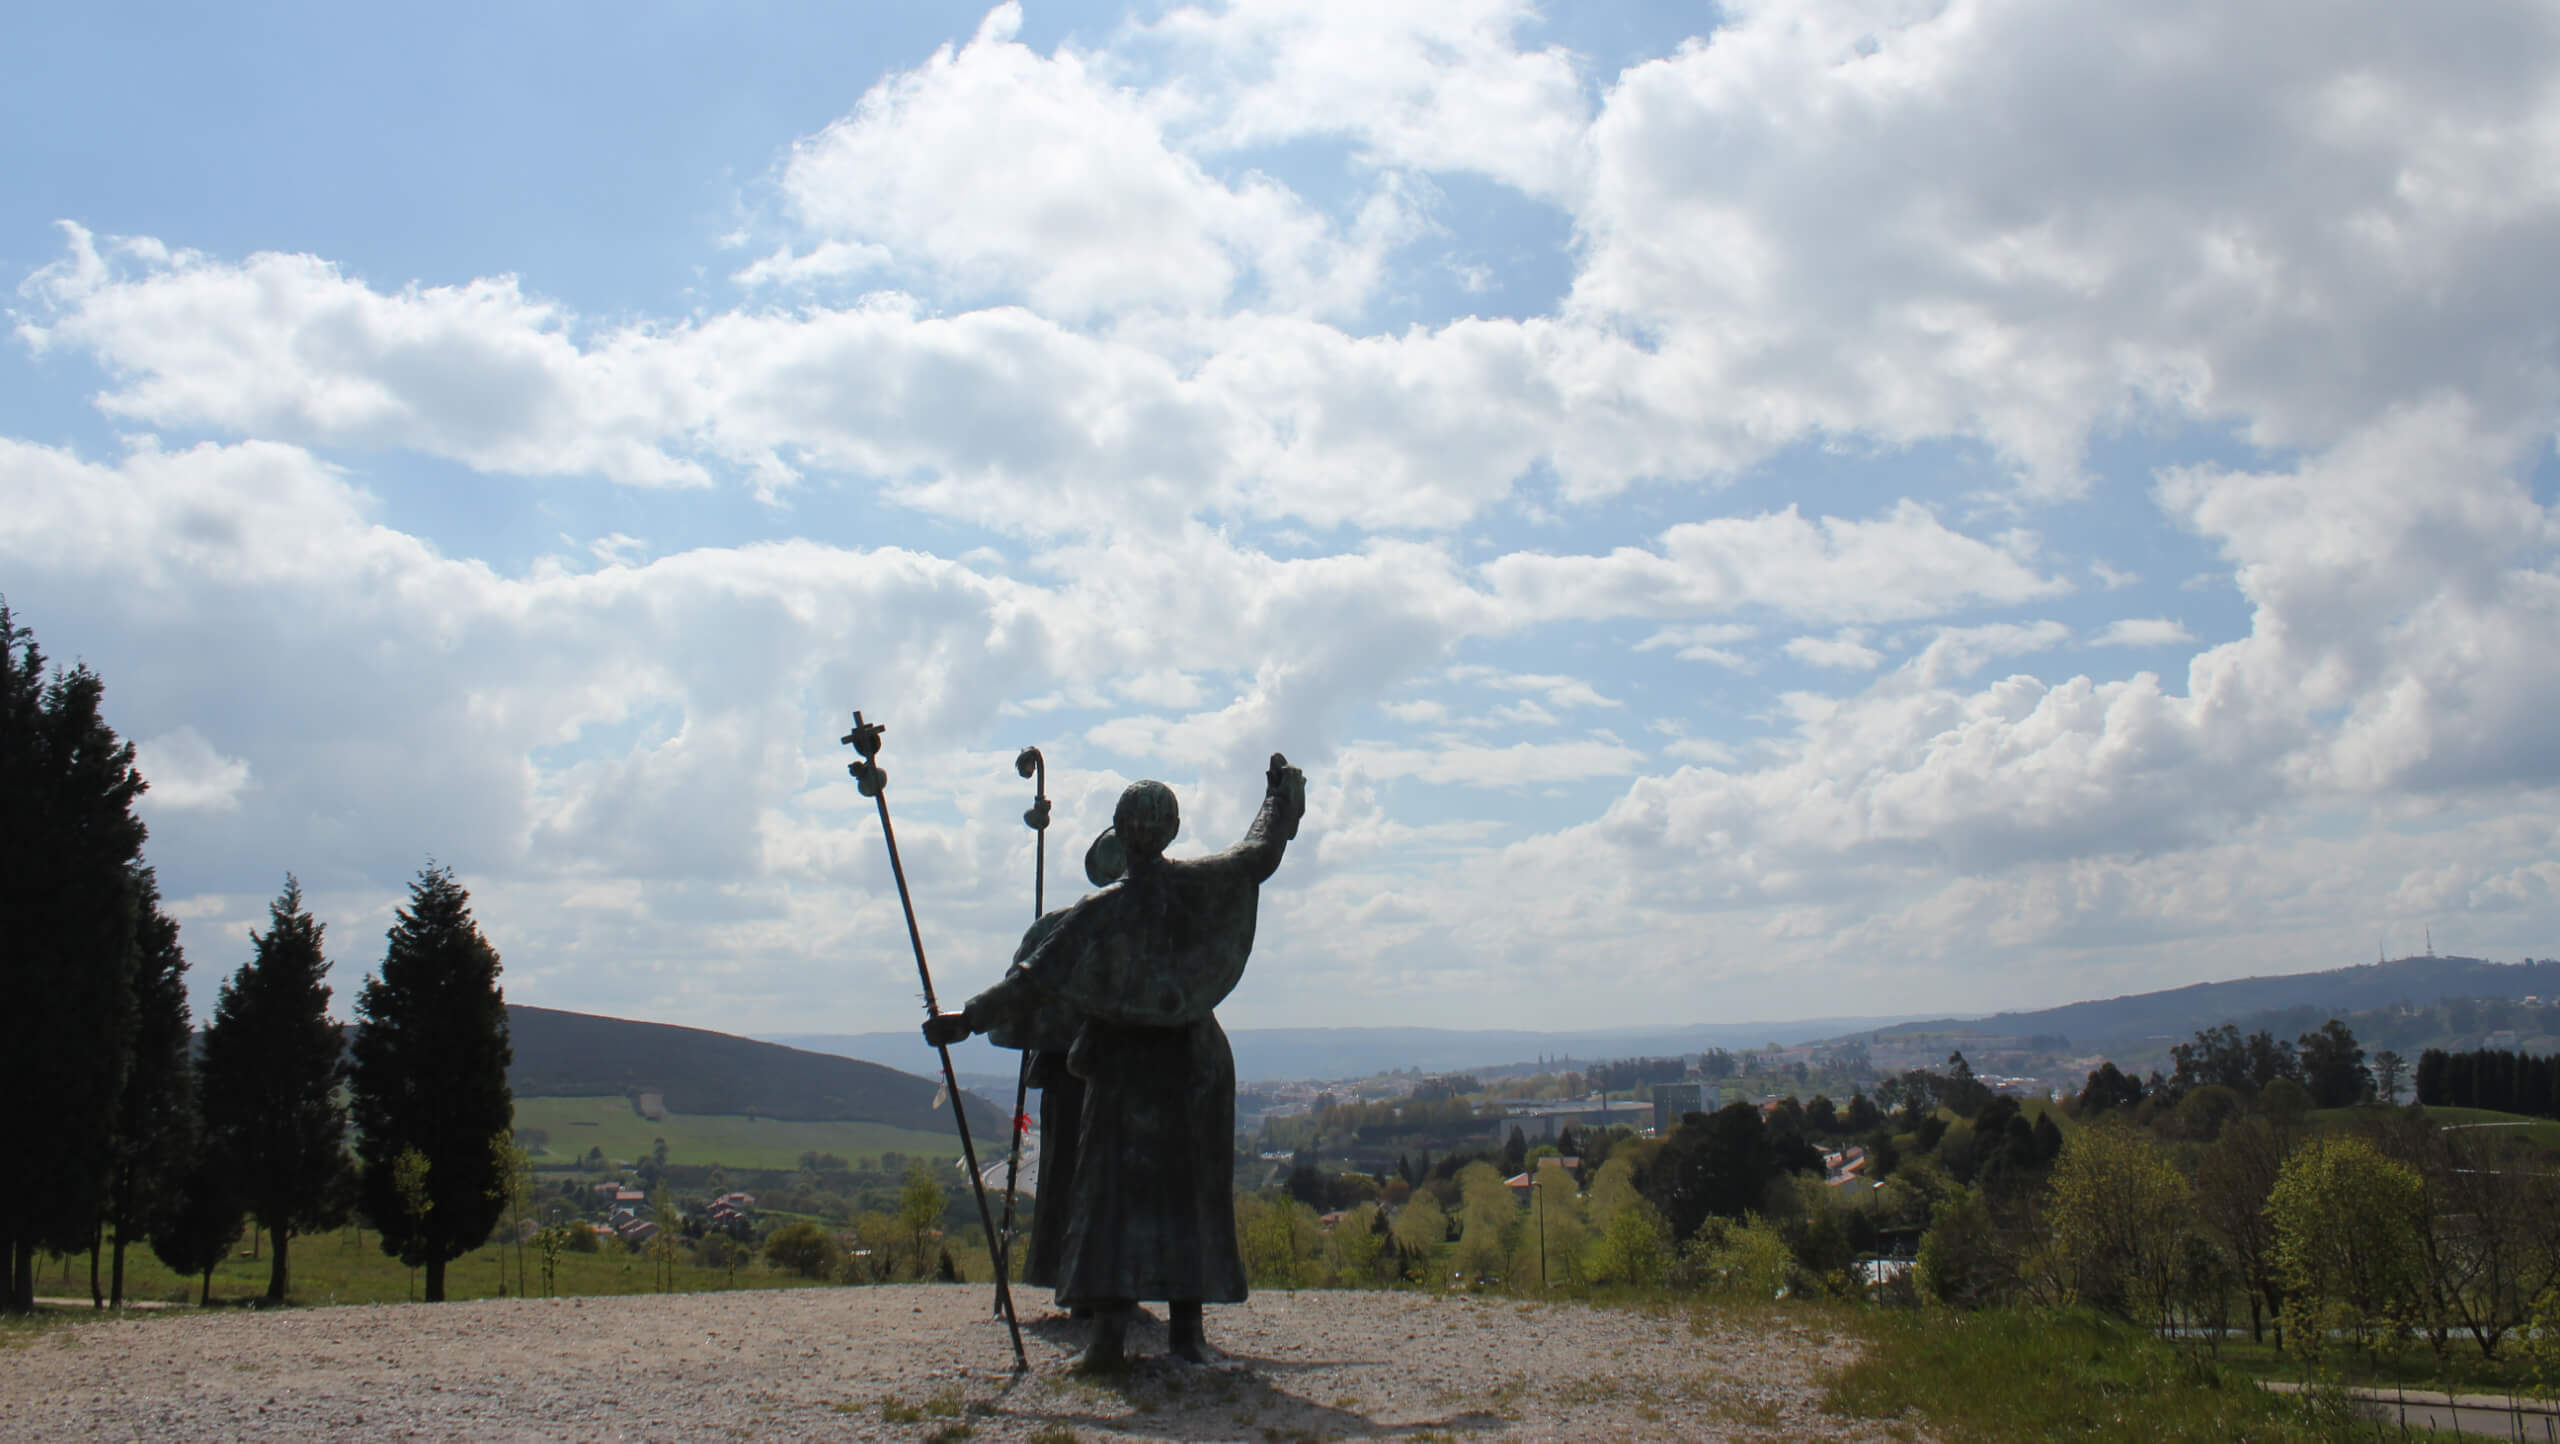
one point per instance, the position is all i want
(920, 1362)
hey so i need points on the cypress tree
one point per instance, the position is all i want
(273, 1060)
(68, 839)
(155, 1115)
(431, 1056)
(196, 1218)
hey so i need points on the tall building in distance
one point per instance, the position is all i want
(1674, 1101)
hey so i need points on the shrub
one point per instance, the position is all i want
(803, 1248)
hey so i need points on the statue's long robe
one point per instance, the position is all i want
(1137, 1199)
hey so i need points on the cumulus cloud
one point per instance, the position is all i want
(998, 172)
(186, 773)
(1844, 650)
(2016, 222)
(1901, 565)
(2142, 632)
(1445, 87)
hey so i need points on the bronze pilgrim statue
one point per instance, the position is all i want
(1114, 997)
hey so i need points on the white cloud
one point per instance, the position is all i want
(1442, 87)
(2143, 632)
(1469, 764)
(2017, 222)
(288, 347)
(1902, 565)
(1845, 650)
(187, 774)
(997, 172)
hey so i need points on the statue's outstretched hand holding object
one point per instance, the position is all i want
(1286, 788)
(944, 1029)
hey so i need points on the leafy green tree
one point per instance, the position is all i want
(2390, 1071)
(1358, 1242)
(1553, 1237)
(2107, 1088)
(1743, 1258)
(68, 842)
(2347, 1221)
(1719, 1164)
(273, 1060)
(1421, 1226)
(155, 1114)
(431, 1055)
(803, 1248)
(1961, 1261)
(2332, 1065)
(2234, 1178)
(1488, 1220)
(2119, 1212)
(920, 1205)
(1630, 1243)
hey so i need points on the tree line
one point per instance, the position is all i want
(2508, 1081)
(127, 1128)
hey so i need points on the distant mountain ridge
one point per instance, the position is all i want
(585, 1055)
(1286, 1054)
(2169, 1015)
(2176, 1014)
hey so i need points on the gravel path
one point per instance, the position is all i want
(919, 1362)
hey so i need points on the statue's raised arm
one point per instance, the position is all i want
(1284, 803)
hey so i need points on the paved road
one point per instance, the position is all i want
(2424, 1411)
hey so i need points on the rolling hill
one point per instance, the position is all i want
(697, 1072)
(2175, 1014)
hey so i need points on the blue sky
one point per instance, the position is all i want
(1783, 510)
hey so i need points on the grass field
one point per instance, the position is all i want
(2544, 1132)
(2023, 1376)
(574, 1125)
(332, 1268)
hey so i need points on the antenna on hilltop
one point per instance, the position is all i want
(2431, 942)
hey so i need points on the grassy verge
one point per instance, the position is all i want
(2031, 1375)
(332, 1268)
(2411, 1366)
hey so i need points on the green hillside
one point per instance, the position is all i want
(568, 1127)
(708, 1075)
(2173, 1015)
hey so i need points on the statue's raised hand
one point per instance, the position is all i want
(1285, 789)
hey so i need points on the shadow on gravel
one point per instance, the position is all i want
(1232, 1398)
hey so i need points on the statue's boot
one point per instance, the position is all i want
(1108, 1348)
(1185, 1337)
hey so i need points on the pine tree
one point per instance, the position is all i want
(431, 1056)
(68, 839)
(273, 1060)
(155, 1115)
(196, 1218)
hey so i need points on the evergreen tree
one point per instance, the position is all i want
(155, 1115)
(431, 1056)
(68, 839)
(273, 1060)
(196, 1218)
